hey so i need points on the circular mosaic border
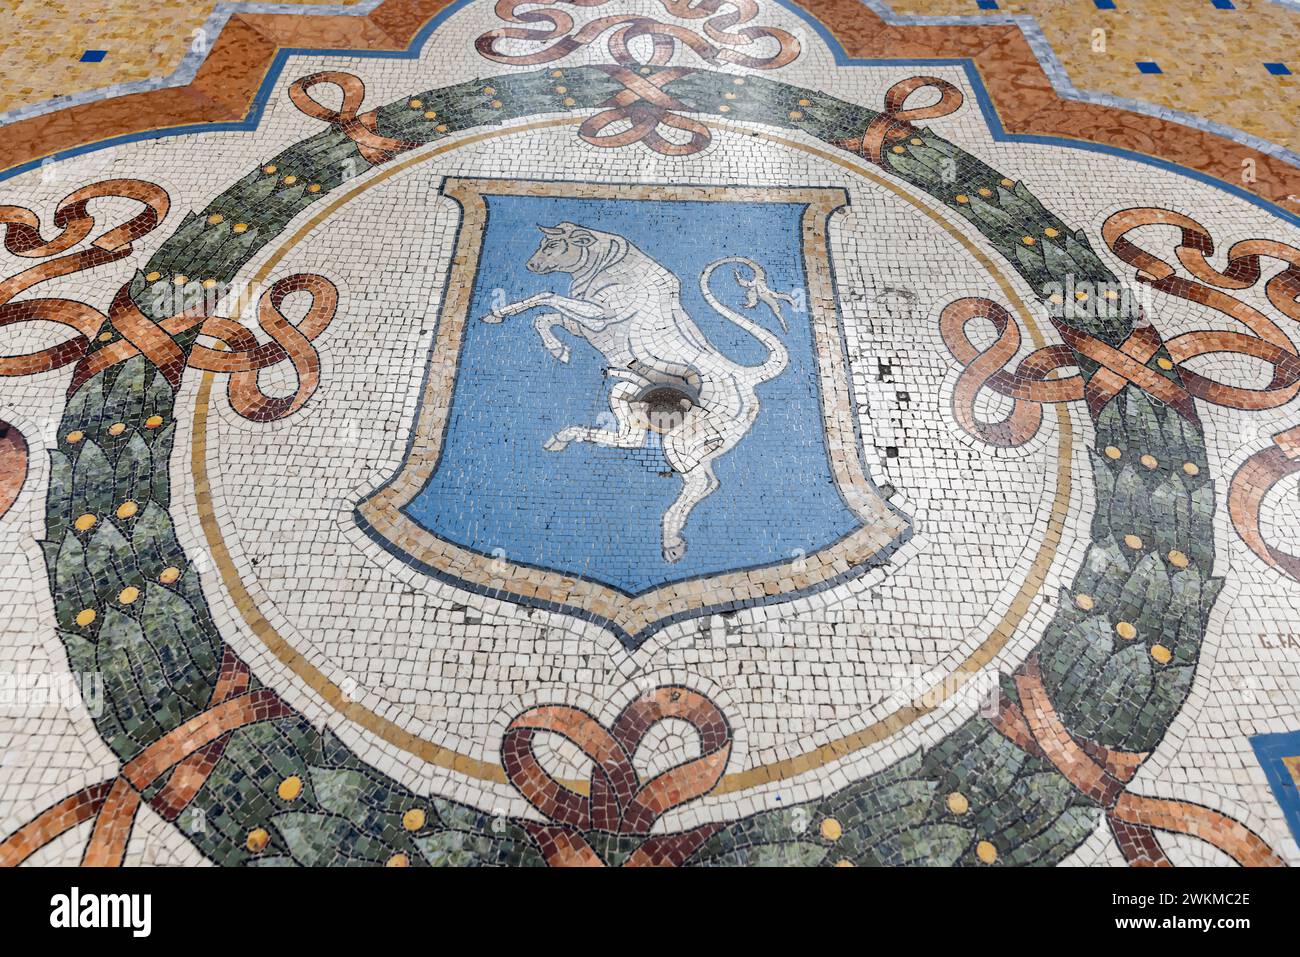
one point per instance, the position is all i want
(1116, 661)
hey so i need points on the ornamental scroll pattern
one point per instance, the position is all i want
(1146, 362)
(201, 740)
(643, 105)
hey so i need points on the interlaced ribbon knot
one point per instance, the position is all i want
(190, 752)
(618, 801)
(1130, 363)
(131, 332)
(643, 104)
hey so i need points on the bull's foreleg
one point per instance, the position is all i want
(545, 325)
(629, 432)
(499, 313)
(587, 314)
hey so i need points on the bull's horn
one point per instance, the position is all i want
(550, 230)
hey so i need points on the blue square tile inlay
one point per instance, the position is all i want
(1224, 4)
(1279, 754)
(1104, 4)
(93, 56)
(1278, 69)
(987, 4)
(1149, 66)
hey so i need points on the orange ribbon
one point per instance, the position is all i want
(643, 103)
(23, 238)
(246, 357)
(133, 332)
(1027, 386)
(361, 128)
(189, 751)
(1131, 361)
(1262, 471)
(896, 122)
(618, 800)
(719, 27)
(645, 107)
(1103, 774)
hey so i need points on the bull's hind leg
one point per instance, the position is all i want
(691, 451)
(627, 434)
(697, 485)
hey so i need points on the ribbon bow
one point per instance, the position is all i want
(618, 800)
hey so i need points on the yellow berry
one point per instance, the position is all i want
(413, 819)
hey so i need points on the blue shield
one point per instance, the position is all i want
(590, 515)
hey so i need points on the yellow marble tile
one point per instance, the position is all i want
(1293, 765)
(41, 42)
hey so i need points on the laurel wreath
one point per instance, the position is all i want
(976, 797)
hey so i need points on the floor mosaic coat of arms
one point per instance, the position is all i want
(640, 433)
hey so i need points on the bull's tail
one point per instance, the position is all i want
(758, 291)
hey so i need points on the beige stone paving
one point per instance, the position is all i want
(41, 42)
(1213, 60)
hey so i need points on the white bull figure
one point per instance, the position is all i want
(629, 308)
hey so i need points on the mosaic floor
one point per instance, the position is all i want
(643, 432)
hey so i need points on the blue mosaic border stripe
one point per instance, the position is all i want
(1271, 749)
(987, 109)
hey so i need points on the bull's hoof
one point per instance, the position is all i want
(556, 443)
(674, 549)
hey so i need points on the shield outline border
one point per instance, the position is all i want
(633, 618)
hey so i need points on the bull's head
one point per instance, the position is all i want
(563, 248)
